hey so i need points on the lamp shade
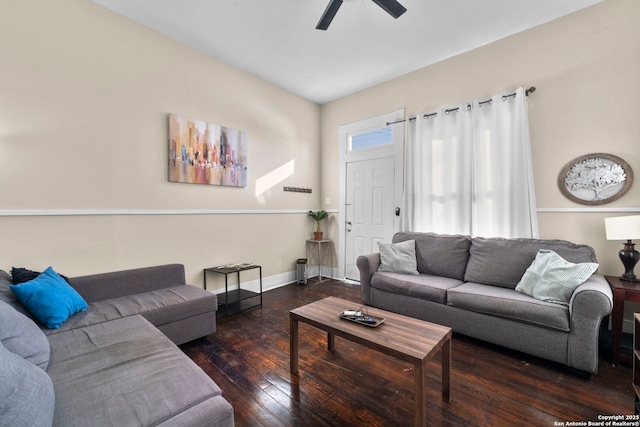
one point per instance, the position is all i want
(622, 227)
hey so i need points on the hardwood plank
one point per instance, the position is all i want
(248, 357)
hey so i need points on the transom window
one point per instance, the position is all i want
(372, 138)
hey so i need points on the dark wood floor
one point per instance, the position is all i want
(248, 357)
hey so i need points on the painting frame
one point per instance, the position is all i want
(206, 153)
(608, 176)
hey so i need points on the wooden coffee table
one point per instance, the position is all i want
(405, 338)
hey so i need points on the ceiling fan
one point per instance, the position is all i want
(392, 7)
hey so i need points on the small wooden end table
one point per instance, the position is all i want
(622, 291)
(405, 338)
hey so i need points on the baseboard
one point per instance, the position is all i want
(283, 279)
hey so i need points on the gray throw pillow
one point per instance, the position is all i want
(26, 392)
(23, 337)
(552, 278)
(398, 257)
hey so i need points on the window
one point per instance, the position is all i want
(372, 138)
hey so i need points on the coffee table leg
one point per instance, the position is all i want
(331, 341)
(420, 396)
(293, 344)
(446, 370)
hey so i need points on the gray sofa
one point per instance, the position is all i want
(116, 363)
(469, 285)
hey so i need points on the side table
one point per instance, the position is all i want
(622, 291)
(236, 300)
(316, 249)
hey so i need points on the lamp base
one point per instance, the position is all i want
(629, 257)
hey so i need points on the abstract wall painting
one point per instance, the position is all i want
(206, 153)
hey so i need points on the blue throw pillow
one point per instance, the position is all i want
(49, 298)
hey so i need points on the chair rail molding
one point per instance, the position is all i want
(88, 212)
(588, 210)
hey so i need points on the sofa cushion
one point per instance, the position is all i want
(121, 373)
(22, 336)
(503, 262)
(49, 298)
(115, 284)
(507, 303)
(398, 257)
(553, 279)
(423, 286)
(439, 254)
(26, 392)
(159, 307)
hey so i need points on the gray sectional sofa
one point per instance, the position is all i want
(116, 363)
(469, 285)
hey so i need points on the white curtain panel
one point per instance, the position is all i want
(438, 184)
(469, 170)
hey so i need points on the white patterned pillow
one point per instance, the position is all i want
(552, 278)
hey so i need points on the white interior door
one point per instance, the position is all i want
(369, 208)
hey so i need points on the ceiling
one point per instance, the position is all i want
(276, 40)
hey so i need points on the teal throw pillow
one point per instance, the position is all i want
(552, 278)
(49, 298)
(398, 257)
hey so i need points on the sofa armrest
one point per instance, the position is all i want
(367, 264)
(593, 298)
(103, 286)
(590, 303)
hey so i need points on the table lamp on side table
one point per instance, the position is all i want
(625, 228)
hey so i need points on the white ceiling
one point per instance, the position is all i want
(276, 40)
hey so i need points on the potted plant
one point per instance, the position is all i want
(318, 216)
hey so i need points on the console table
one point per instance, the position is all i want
(236, 300)
(316, 251)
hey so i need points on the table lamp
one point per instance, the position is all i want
(625, 228)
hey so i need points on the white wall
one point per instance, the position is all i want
(84, 99)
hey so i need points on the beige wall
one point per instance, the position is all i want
(84, 99)
(586, 67)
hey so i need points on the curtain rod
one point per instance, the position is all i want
(504, 98)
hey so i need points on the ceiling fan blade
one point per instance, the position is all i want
(328, 14)
(392, 7)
